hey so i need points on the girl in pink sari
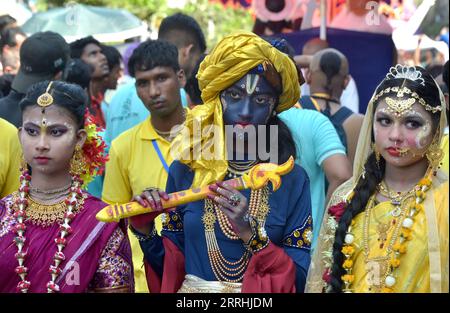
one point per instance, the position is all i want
(50, 240)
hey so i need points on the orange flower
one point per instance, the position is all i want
(425, 182)
(418, 207)
(406, 233)
(348, 250)
(348, 278)
(395, 263)
(398, 247)
(347, 264)
(387, 290)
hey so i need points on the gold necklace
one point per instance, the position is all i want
(396, 197)
(45, 198)
(221, 267)
(377, 268)
(50, 192)
(48, 214)
(169, 135)
(382, 271)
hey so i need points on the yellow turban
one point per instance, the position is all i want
(231, 59)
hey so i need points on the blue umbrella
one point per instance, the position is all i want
(76, 21)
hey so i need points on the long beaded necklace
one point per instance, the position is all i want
(73, 202)
(221, 267)
(401, 235)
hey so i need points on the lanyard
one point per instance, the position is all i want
(161, 158)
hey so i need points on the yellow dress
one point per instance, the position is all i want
(444, 147)
(413, 274)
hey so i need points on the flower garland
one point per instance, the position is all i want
(94, 153)
(74, 199)
(399, 247)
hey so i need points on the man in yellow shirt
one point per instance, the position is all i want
(140, 157)
(10, 153)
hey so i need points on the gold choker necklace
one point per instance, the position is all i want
(46, 215)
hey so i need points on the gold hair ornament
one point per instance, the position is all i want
(46, 98)
(400, 92)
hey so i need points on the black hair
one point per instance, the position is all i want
(435, 69)
(5, 21)
(285, 47)
(153, 53)
(5, 84)
(374, 172)
(112, 55)
(191, 87)
(190, 30)
(8, 36)
(68, 96)
(330, 65)
(78, 72)
(77, 47)
(286, 147)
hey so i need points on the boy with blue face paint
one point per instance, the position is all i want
(262, 240)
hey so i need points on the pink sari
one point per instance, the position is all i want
(98, 255)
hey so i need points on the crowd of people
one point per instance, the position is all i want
(364, 208)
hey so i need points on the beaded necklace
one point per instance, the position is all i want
(401, 235)
(72, 203)
(221, 267)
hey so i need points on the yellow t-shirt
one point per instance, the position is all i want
(133, 166)
(10, 154)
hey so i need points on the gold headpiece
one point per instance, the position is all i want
(46, 98)
(399, 106)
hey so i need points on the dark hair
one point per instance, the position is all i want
(8, 37)
(191, 87)
(330, 65)
(112, 55)
(374, 173)
(153, 53)
(285, 47)
(77, 47)
(68, 96)
(445, 75)
(5, 21)
(286, 147)
(182, 30)
(435, 69)
(78, 72)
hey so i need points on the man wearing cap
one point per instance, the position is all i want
(43, 56)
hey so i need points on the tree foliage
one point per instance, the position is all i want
(215, 19)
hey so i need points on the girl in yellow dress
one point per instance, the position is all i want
(386, 229)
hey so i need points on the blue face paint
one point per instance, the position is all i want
(249, 101)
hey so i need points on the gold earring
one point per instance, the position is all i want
(23, 163)
(377, 154)
(434, 155)
(77, 162)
